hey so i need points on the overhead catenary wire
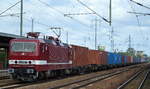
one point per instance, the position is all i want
(137, 17)
(63, 13)
(49, 26)
(10, 8)
(18, 7)
(11, 14)
(51, 7)
(93, 11)
(139, 13)
(58, 19)
(140, 4)
(35, 21)
(29, 11)
(78, 14)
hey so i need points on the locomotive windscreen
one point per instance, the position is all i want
(23, 47)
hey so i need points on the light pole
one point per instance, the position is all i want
(21, 18)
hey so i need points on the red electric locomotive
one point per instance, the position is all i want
(33, 58)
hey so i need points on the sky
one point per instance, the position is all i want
(81, 28)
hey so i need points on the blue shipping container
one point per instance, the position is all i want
(119, 61)
(115, 61)
(136, 60)
(114, 58)
(110, 58)
(125, 59)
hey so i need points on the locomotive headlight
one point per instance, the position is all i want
(11, 70)
(30, 71)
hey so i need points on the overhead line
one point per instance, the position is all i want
(138, 21)
(135, 14)
(139, 13)
(140, 4)
(78, 14)
(9, 8)
(93, 11)
(51, 7)
(37, 22)
(62, 13)
(13, 14)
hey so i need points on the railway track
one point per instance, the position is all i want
(5, 80)
(13, 85)
(4, 74)
(17, 84)
(143, 84)
(4, 77)
(126, 85)
(81, 83)
(84, 82)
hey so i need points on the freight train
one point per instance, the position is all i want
(31, 59)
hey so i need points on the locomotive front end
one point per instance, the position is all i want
(23, 58)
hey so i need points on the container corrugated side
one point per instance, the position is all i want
(80, 56)
(103, 57)
(94, 57)
(110, 59)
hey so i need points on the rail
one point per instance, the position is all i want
(133, 77)
(89, 80)
(142, 83)
(2, 71)
(4, 74)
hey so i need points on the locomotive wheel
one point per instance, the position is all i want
(14, 77)
(41, 75)
(31, 78)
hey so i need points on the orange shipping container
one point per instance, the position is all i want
(97, 57)
(103, 57)
(94, 57)
(80, 56)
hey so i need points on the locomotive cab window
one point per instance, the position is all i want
(23, 47)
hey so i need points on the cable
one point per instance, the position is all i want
(135, 15)
(139, 13)
(18, 7)
(138, 22)
(37, 22)
(58, 19)
(9, 8)
(51, 7)
(78, 14)
(14, 14)
(62, 13)
(93, 11)
(140, 4)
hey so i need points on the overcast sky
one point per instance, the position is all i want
(81, 27)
